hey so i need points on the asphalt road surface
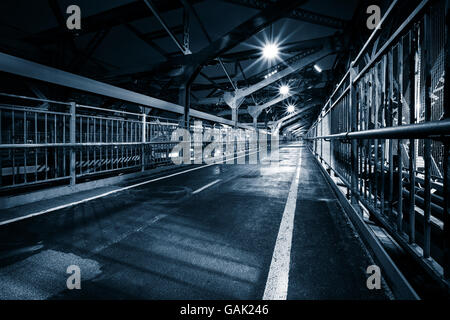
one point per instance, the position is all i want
(220, 232)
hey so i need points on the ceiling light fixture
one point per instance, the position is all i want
(284, 90)
(270, 51)
(290, 108)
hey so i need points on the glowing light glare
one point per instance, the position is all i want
(290, 108)
(318, 69)
(270, 74)
(284, 90)
(270, 51)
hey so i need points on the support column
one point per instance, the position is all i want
(144, 139)
(72, 142)
(186, 29)
(235, 116)
(185, 101)
(255, 122)
(255, 112)
(234, 103)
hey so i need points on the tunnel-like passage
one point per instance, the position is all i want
(285, 150)
(176, 239)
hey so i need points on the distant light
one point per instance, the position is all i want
(318, 69)
(270, 74)
(270, 51)
(290, 108)
(284, 90)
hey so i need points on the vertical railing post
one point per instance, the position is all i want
(446, 158)
(446, 220)
(72, 143)
(412, 142)
(427, 142)
(400, 98)
(354, 142)
(390, 123)
(144, 132)
(1, 151)
(321, 140)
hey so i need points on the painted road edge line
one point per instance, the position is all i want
(75, 203)
(278, 278)
(206, 186)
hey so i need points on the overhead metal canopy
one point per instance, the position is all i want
(304, 59)
(156, 70)
(276, 125)
(188, 65)
(113, 17)
(293, 127)
(255, 111)
(309, 46)
(298, 13)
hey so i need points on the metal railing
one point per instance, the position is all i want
(385, 132)
(46, 142)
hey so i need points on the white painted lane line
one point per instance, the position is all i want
(207, 186)
(127, 234)
(68, 205)
(278, 278)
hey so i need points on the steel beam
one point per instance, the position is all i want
(291, 117)
(298, 14)
(293, 127)
(255, 111)
(152, 8)
(291, 47)
(110, 18)
(306, 59)
(29, 69)
(191, 64)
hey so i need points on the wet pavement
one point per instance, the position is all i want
(179, 238)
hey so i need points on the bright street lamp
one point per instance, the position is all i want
(270, 51)
(284, 90)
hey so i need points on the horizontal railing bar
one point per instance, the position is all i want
(83, 144)
(411, 131)
(33, 70)
(378, 54)
(337, 88)
(430, 264)
(434, 206)
(344, 93)
(107, 118)
(88, 144)
(109, 110)
(372, 36)
(394, 37)
(162, 123)
(377, 29)
(32, 99)
(30, 109)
